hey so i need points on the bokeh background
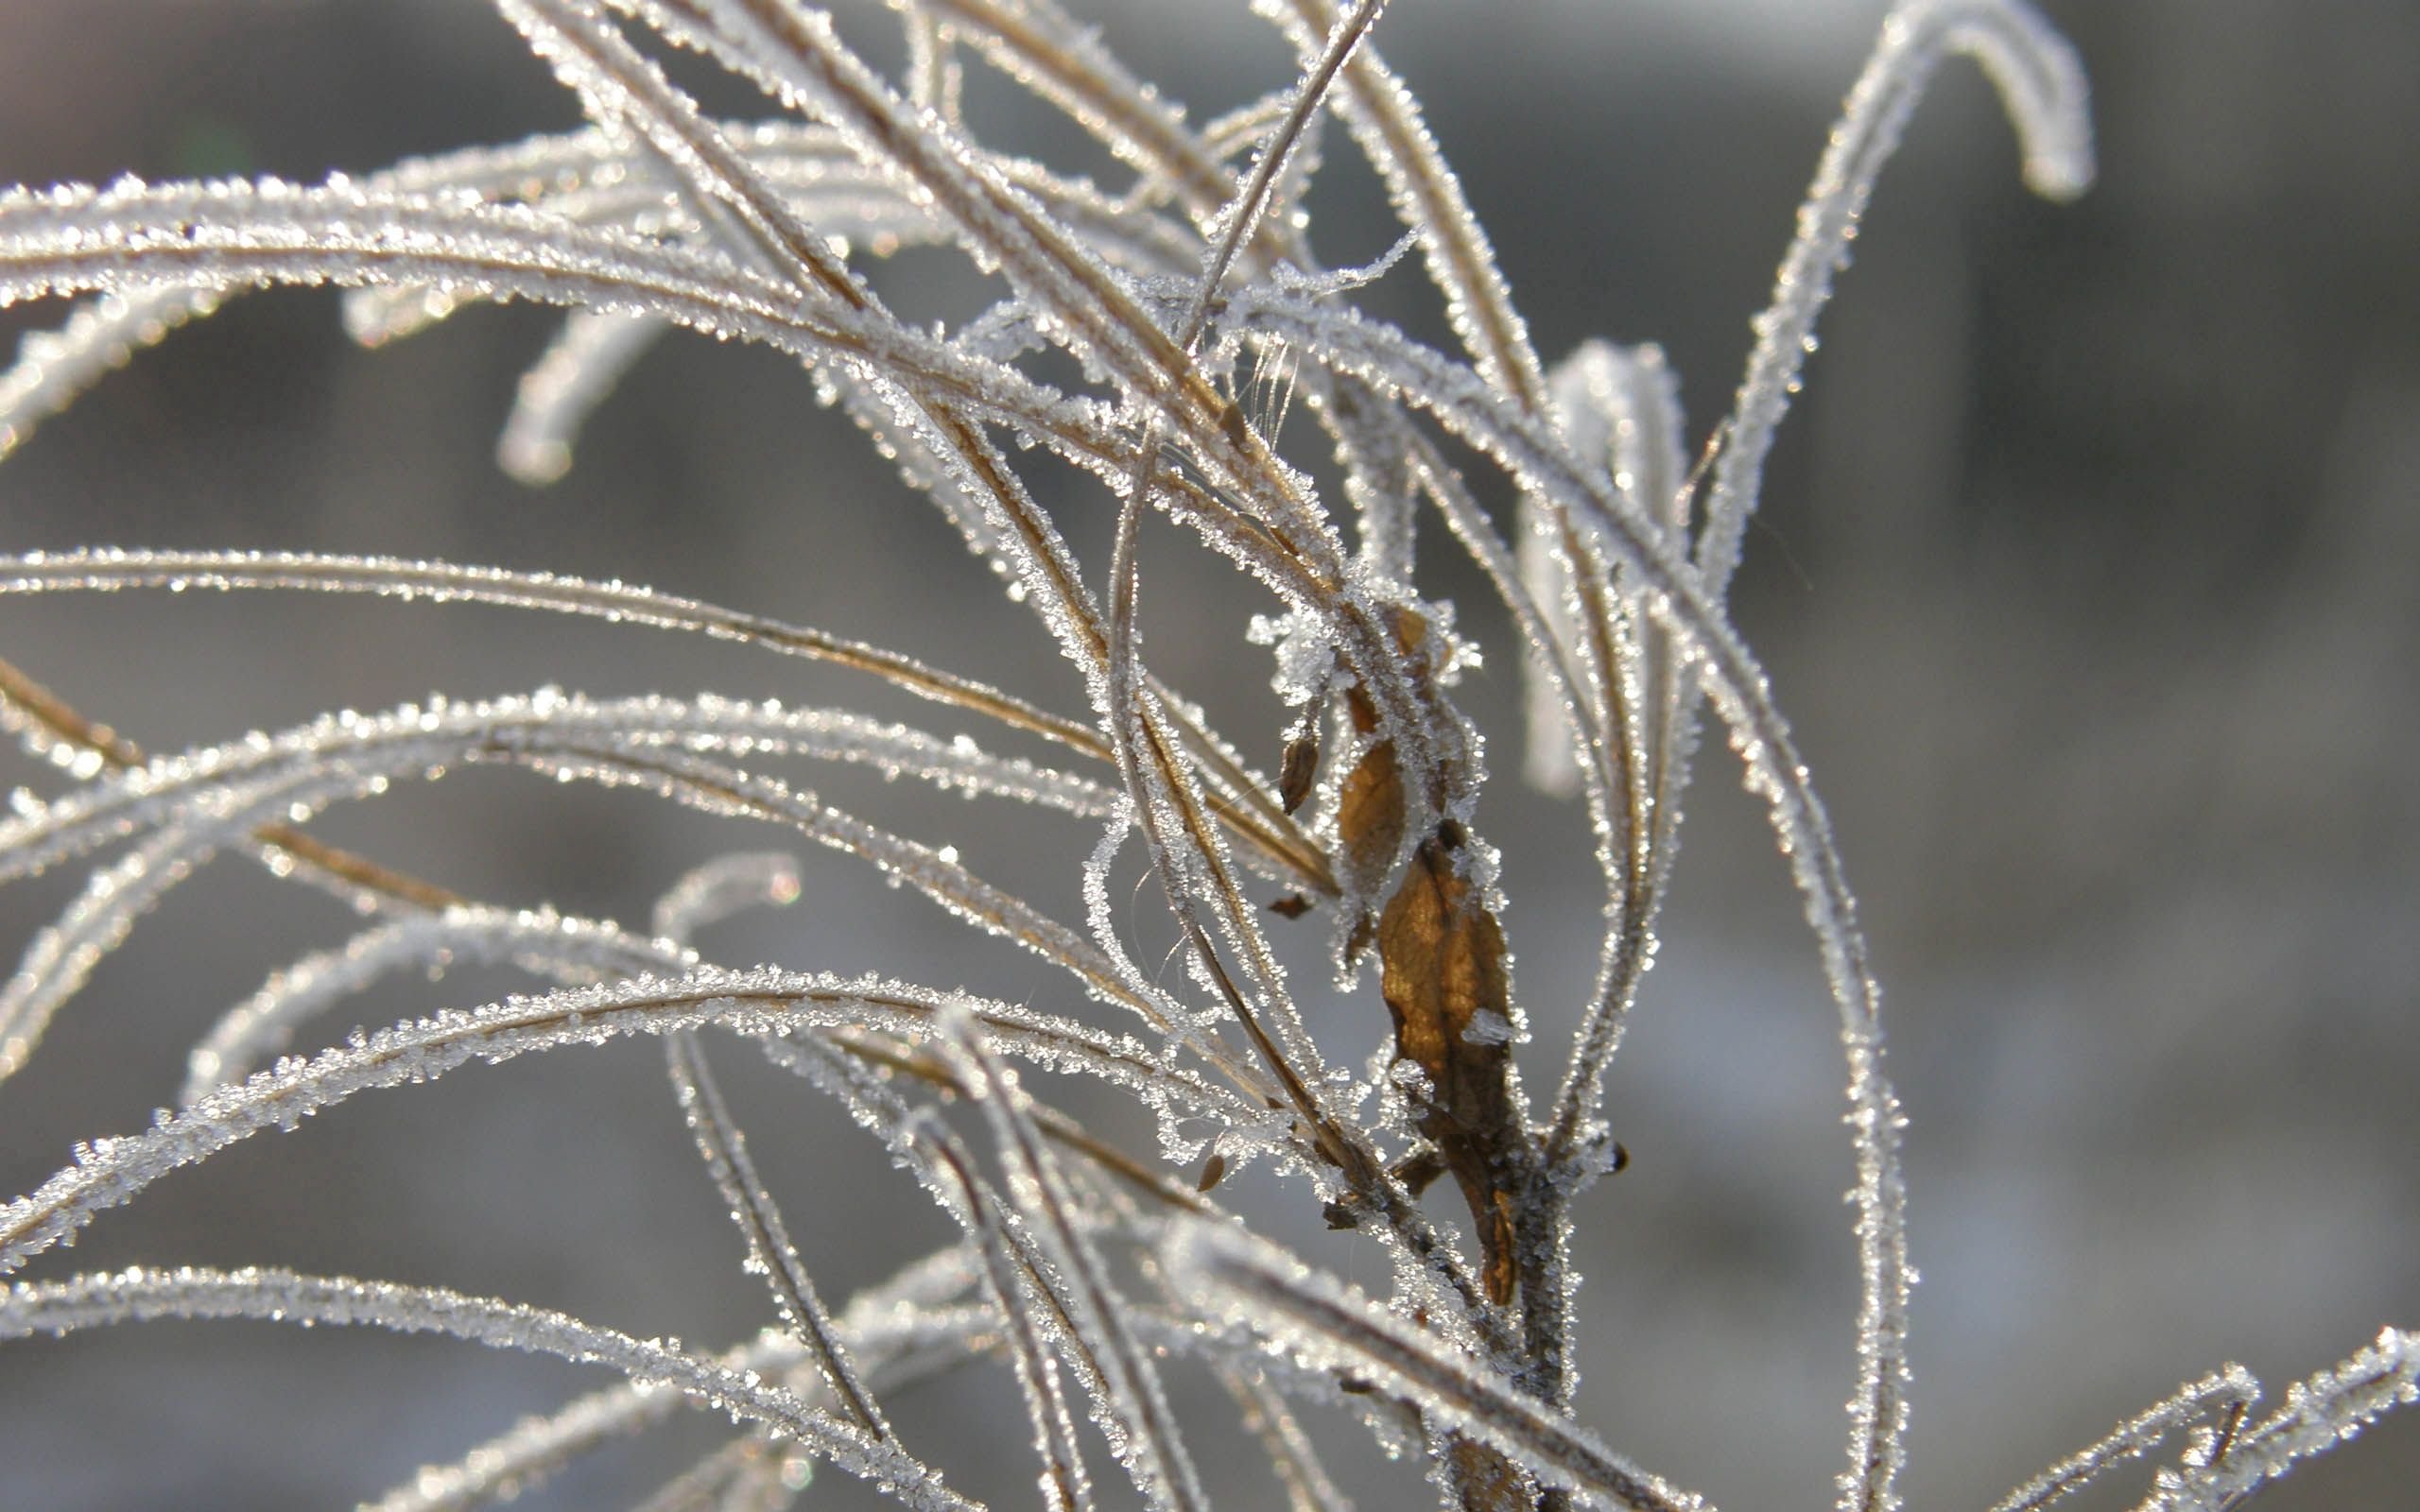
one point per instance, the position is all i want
(2084, 570)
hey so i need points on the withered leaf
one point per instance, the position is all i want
(1369, 820)
(1489, 1479)
(1418, 1169)
(1442, 971)
(1372, 813)
(1295, 770)
(1440, 958)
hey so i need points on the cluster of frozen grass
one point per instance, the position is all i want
(1189, 301)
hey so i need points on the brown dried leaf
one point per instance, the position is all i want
(1370, 821)
(1442, 967)
(1295, 770)
(1373, 815)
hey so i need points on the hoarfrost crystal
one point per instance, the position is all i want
(1154, 337)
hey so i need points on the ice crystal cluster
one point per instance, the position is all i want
(1152, 335)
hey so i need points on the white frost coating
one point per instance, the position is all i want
(762, 1002)
(438, 582)
(535, 1448)
(647, 742)
(2317, 1416)
(1488, 1027)
(1024, 1286)
(264, 1023)
(1618, 407)
(923, 469)
(726, 885)
(1099, 325)
(2225, 1396)
(1189, 855)
(594, 177)
(598, 62)
(1624, 404)
(1386, 122)
(2041, 83)
(1557, 673)
(639, 277)
(588, 357)
(1538, 460)
(1186, 1029)
(62, 956)
(2043, 86)
(595, 222)
(770, 1253)
(619, 86)
(53, 368)
(225, 237)
(806, 65)
(898, 1329)
(1305, 655)
(1280, 170)
(1306, 1317)
(138, 1294)
(546, 725)
(904, 1329)
(1376, 445)
(1035, 43)
(1133, 120)
(1142, 1431)
(591, 178)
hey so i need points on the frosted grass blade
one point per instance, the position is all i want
(138, 1294)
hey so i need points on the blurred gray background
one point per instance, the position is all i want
(2084, 570)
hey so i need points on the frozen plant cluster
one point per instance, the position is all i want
(1151, 337)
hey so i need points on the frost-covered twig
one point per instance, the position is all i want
(1132, 313)
(137, 1294)
(1308, 1317)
